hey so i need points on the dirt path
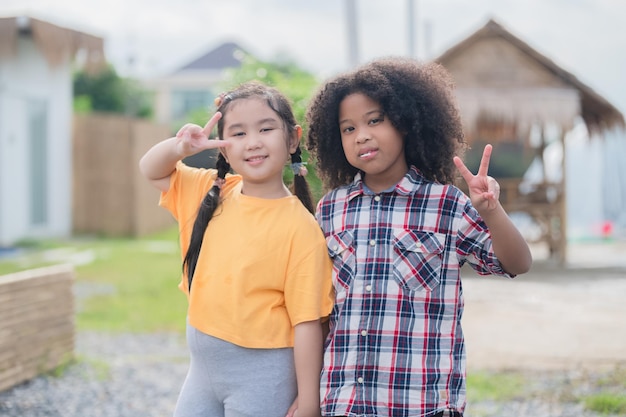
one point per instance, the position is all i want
(553, 317)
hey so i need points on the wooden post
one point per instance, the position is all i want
(563, 202)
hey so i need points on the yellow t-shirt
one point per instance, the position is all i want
(263, 267)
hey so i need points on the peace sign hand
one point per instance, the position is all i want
(484, 191)
(192, 139)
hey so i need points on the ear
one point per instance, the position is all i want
(223, 152)
(294, 139)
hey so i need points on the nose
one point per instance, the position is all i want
(362, 136)
(253, 141)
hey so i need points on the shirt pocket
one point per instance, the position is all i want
(417, 259)
(342, 253)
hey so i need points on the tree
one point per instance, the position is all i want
(107, 92)
(284, 74)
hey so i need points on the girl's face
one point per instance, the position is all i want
(371, 142)
(259, 146)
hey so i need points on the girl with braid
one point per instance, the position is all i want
(256, 269)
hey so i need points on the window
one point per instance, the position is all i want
(185, 101)
(38, 140)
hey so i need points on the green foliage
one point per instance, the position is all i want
(509, 160)
(286, 76)
(503, 386)
(82, 104)
(66, 362)
(606, 403)
(107, 92)
(610, 397)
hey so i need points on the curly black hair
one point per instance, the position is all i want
(418, 99)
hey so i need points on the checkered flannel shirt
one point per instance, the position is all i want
(396, 347)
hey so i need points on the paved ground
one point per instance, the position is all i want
(555, 317)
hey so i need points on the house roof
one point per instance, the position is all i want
(56, 43)
(227, 55)
(596, 111)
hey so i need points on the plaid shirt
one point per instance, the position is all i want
(396, 347)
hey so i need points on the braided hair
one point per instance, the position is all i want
(300, 187)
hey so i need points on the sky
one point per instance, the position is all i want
(149, 38)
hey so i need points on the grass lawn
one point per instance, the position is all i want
(121, 284)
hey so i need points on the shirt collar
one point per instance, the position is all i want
(406, 186)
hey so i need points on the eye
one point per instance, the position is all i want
(376, 120)
(238, 134)
(347, 129)
(267, 129)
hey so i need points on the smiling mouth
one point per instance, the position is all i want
(367, 154)
(255, 158)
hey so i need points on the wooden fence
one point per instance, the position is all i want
(111, 197)
(36, 322)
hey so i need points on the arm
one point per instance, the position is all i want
(508, 243)
(308, 347)
(160, 161)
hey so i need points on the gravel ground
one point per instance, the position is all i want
(139, 376)
(530, 326)
(115, 376)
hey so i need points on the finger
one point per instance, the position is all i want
(463, 170)
(208, 128)
(182, 130)
(484, 161)
(291, 412)
(494, 187)
(216, 143)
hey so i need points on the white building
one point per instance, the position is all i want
(36, 126)
(195, 84)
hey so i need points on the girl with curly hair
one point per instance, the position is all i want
(387, 139)
(256, 270)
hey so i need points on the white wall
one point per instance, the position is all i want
(596, 184)
(596, 181)
(585, 201)
(22, 79)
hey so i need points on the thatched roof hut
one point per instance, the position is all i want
(500, 75)
(514, 97)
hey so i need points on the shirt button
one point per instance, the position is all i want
(359, 380)
(368, 288)
(363, 333)
(335, 248)
(377, 198)
(372, 242)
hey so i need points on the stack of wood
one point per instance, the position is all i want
(36, 322)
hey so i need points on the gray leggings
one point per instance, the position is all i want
(226, 380)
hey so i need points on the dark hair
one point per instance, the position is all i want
(418, 100)
(300, 187)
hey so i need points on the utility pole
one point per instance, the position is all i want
(411, 25)
(353, 34)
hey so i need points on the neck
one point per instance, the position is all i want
(268, 191)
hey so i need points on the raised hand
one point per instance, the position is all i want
(191, 138)
(484, 191)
